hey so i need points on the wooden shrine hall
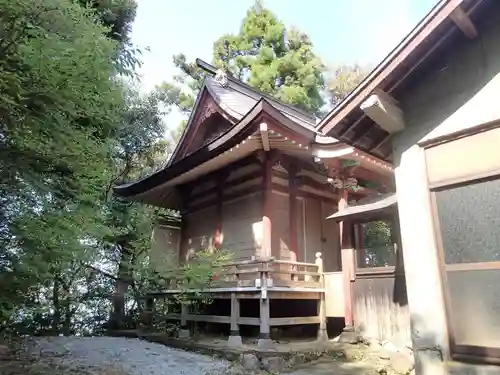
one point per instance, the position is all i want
(253, 176)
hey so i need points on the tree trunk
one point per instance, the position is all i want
(68, 314)
(56, 317)
(117, 318)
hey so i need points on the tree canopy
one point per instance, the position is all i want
(73, 123)
(274, 59)
(271, 57)
(70, 127)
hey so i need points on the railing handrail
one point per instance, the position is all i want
(271, 260)
(292, 263)
(248, 262)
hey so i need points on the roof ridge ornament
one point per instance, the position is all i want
(221, 78)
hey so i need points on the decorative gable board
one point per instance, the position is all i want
(206, 110)
(211, 128)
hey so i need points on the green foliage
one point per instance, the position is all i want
(72, 126)
(378, 243)
(58, 108)
(342, 79)
(265, 54)
(273, 59)
(116, 15)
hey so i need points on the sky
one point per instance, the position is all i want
(343, 31)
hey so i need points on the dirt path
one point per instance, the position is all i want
(121, 356)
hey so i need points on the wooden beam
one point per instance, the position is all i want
(209, 318)
(348, 261)
(264, 135)
(384, 111)
(228, 185)
(464, 23)
(293, 321)
(240, 193)
(305, 194)
(213, 176)
(267, 171)
(221, 182)
(292, 210)
(330, 154)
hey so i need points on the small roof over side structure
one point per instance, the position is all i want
(368, 208)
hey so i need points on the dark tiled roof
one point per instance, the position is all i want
(238, 99)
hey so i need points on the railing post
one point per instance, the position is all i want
(234, 335)
(184, 329)
(265, 341)
(150, 310)
(319, 262)
(322, 334)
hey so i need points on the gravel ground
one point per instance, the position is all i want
(104, 355)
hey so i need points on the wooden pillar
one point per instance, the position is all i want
(348, 269)
(322, 334)
(148, 313)
(267, 204)
(396, 241)
(184, 329)
(265, 328)
(183, 250)
(234, 335)
(359, 243)
(220, 181)
(218, 223)
(292, 207)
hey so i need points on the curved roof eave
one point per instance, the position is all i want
(220, 144)
(199, 156)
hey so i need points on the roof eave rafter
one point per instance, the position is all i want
(384, 110)
(464, 23)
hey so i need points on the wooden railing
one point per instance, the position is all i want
(272, 272)
(269, 272)
(262, 277)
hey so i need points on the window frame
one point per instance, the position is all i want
(466, 353)
(393, 219)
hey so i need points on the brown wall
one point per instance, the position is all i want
(331, 239)
(280, 227)
(322, 235)
(242, 226)
(165, 247)
(380, 306)
(199, 229)
(242, 217)
(313, 229)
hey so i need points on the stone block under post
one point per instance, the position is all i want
(234, 334)
(349, 335)
(184, 329)
(265, 341)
